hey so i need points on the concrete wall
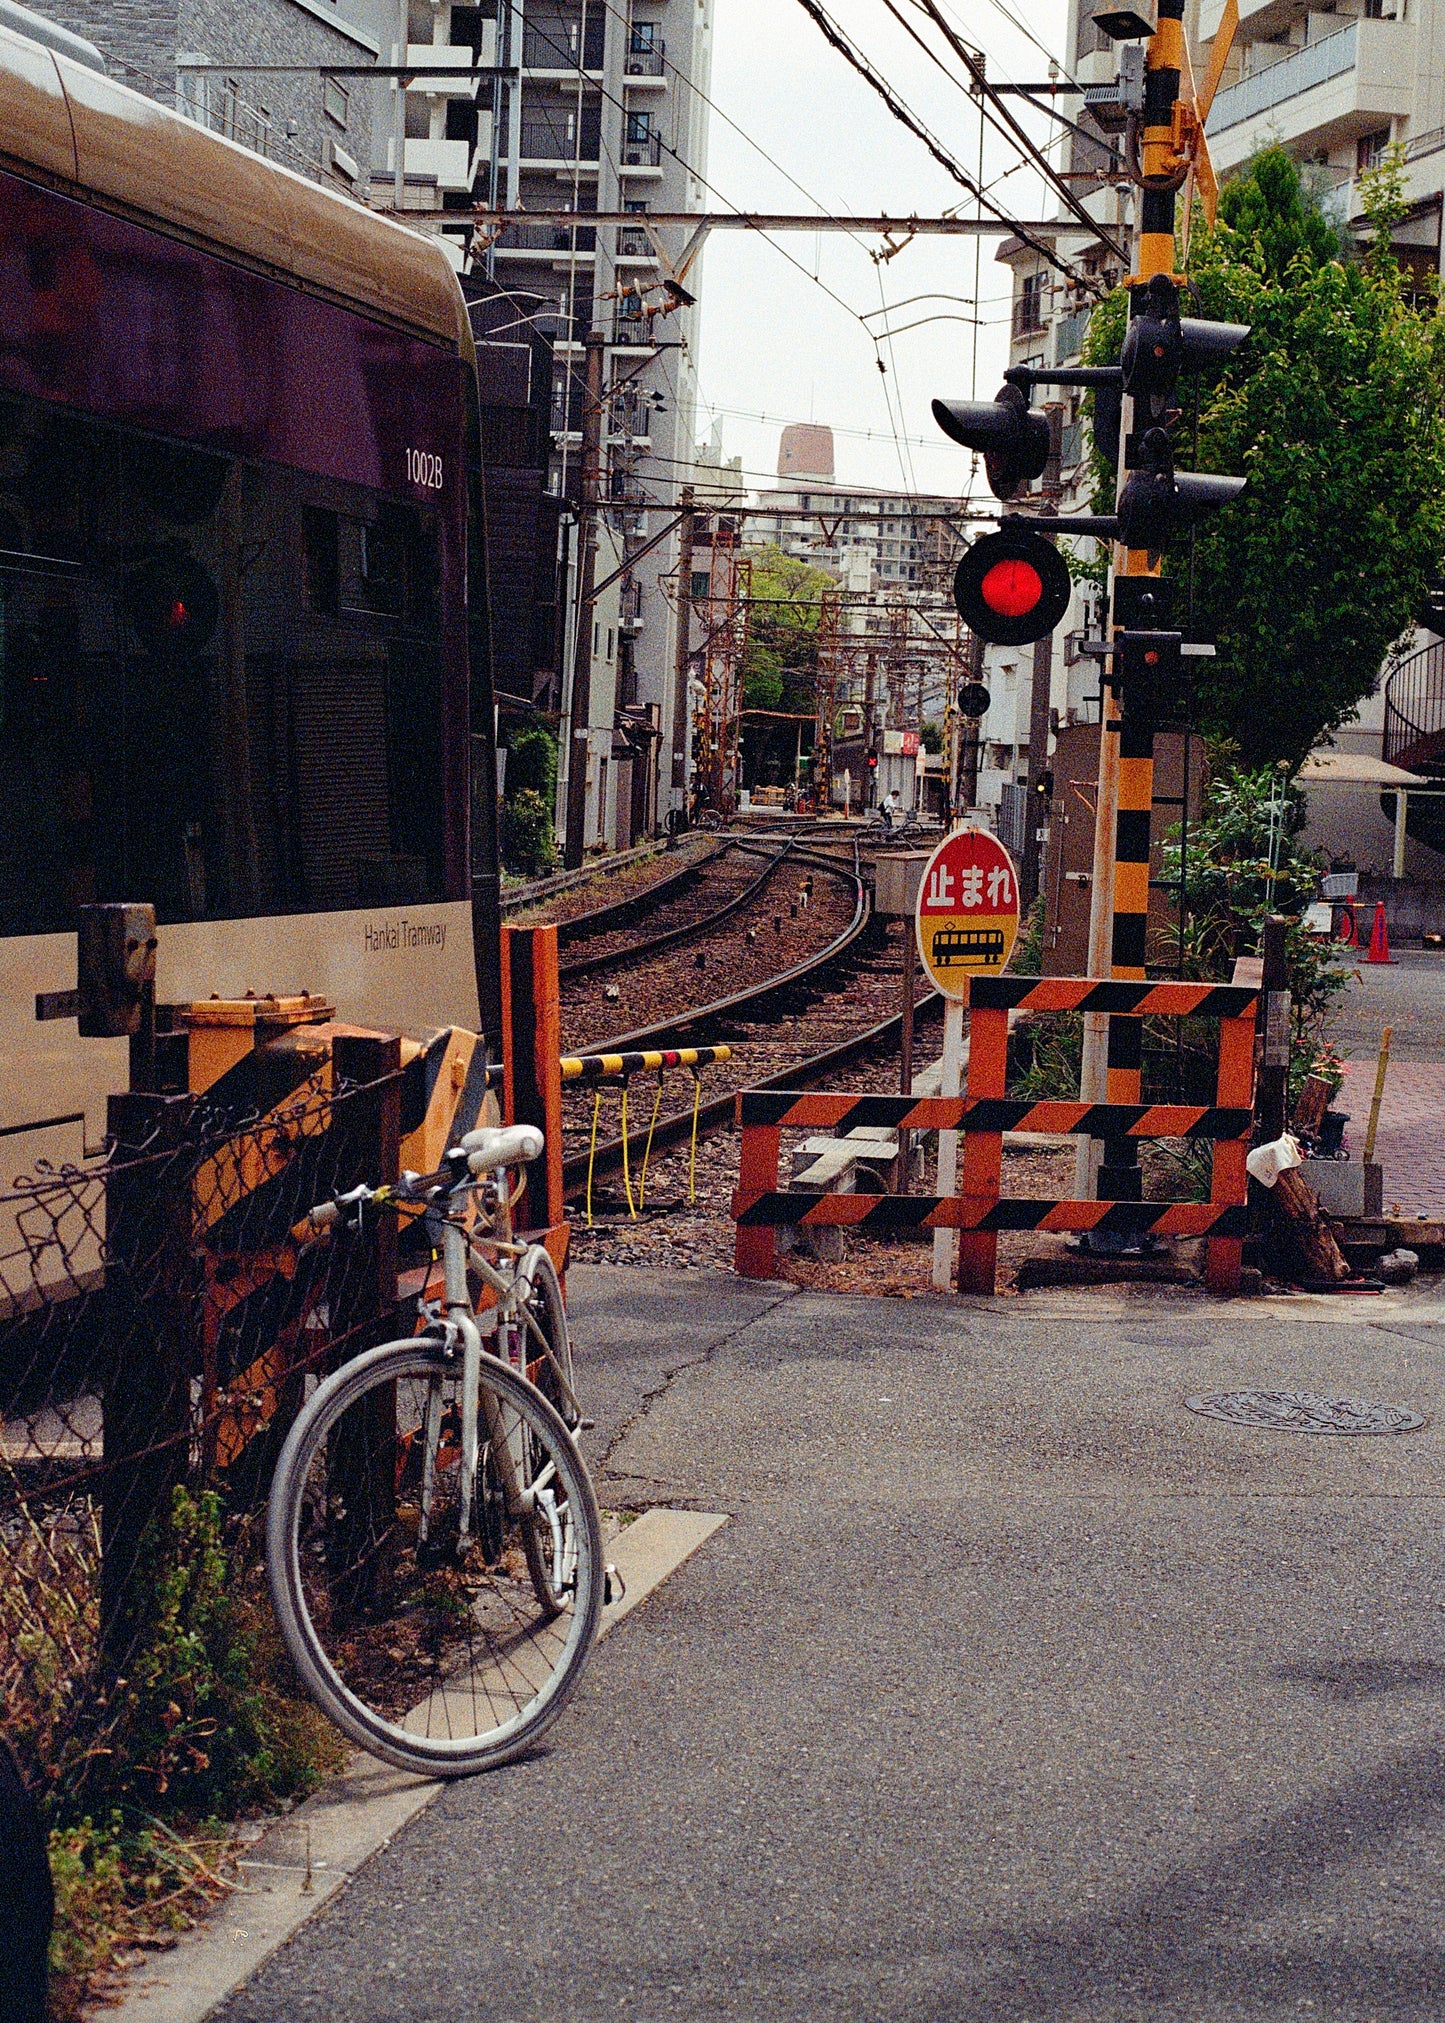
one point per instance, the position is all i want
(143, 38)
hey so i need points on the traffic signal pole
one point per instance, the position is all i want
(1119, 887)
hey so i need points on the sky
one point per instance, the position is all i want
(772, 341)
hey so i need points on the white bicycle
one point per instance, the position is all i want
(434, 1546)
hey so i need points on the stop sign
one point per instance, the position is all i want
(968, 910)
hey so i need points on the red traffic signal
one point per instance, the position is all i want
(1012, 436)
(1012, 587)
(172, 603)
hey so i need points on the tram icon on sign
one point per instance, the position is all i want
(968, 947)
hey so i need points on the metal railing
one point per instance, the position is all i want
(645, 60)
(634, 244)
(545, 140)
(642, 152)
(556, 45)
(548, 238)
(1331, 57)
(1415, 710)
(1028, 315)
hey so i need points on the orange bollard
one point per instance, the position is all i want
(1379, 938)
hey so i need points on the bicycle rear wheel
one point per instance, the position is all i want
(433, 1653)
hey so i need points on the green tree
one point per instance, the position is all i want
(780, 665)
(1335, 411)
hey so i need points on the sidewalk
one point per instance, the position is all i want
(1013, 1689)
(1408, 996)
(1410, 1141)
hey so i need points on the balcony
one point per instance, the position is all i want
(533, 239)
(558, 46)
(1069, 334)
(559, 139)
(645, 60)
(458, 58)
(450, 164)
(1028, 316)
(631, 329)
(1347, 84)
(634, 244)
(641, 151)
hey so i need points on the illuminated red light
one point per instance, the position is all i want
(1012, 588)
(179, 617)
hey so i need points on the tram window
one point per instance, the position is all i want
(321, 559)
(272, 747)
(383, 566)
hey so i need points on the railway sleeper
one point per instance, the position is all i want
(864, 1162)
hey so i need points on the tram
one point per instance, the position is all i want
(237, 440)
(967, 947)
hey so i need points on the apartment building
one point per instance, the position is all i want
(905, 536)
(605, 111)
(167, 49)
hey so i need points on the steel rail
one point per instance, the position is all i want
(730, 1007)
(720, 1109)
(587, 965)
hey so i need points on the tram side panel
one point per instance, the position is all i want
(233, 660)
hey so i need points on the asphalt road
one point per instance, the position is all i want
(1012, 1690)
(1408, 994)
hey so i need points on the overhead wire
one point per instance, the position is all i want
(908, 118)
(1001, 118)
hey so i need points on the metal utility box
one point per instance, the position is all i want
(1068, 855)
(896, 879)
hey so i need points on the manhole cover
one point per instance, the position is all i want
(1305, 1412)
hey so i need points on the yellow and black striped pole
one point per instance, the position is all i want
(1119, 899)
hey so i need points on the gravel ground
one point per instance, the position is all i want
(702, 1235)
(607, 887)
(713, 964)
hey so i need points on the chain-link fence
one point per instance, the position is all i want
(162, 1313)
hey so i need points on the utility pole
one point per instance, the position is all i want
(1119, 885)
(403, 30)
(681, 753)
(577, 728)
(968, 785)
(1040, 685)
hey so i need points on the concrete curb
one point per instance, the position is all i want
(302, 1862)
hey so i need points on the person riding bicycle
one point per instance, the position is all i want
(889, 809)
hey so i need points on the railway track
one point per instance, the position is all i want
(676, 931)
(652, 982)
(792, 1029)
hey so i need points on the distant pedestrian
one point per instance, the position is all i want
(891, 805)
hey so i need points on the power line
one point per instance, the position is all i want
(982, 85)
(904, 114)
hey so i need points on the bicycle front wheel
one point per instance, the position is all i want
(426, 1646)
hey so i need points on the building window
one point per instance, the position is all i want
(1029, 309)
(335, 101)
(1370, 150)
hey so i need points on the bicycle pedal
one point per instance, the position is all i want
(585, 1426)
(614, 1588)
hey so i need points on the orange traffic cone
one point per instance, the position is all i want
(1348, 933)
(1379, 939)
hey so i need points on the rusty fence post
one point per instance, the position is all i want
(532, 1054)
(152, 1289)
(366, 1127)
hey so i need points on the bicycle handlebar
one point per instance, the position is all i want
(489, 1149)
(485, 1151)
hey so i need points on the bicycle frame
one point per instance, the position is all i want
(460, 1325)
